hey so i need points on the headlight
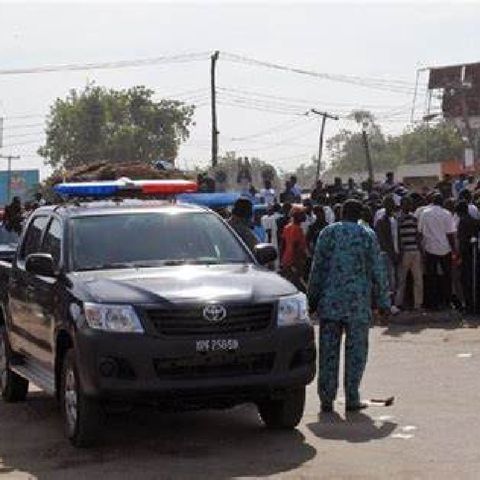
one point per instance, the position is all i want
(293, 310)
(112, 318)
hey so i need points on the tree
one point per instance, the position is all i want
(420, 144)
(425, 144)
(347, 150)
(99, 124)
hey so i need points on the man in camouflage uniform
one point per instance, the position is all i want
(347, 272)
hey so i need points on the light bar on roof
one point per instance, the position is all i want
(211, 200)
(111, 188)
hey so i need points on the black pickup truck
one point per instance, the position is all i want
(149, 302)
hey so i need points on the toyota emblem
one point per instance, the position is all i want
(214, 313)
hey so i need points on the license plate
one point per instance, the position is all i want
(214, 345)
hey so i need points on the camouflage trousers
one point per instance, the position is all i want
(356, 352)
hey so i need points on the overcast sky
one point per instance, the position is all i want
(380, 41)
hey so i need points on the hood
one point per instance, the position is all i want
(181, 284)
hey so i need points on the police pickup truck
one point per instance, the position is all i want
(149, 302)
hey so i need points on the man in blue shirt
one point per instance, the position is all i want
(347, 272)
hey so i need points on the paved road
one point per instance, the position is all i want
(432, 432)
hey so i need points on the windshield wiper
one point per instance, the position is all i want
(159, 263)
(190, 261)
(107, 266)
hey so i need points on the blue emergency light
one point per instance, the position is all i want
(210, 200)
(108, 188)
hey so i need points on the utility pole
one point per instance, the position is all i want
(9, 158)
(367, 155)
(213, 62)
(324, 116)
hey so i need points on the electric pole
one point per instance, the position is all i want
(213, 62)
(9, 158)
(367, 155)
(324, 116)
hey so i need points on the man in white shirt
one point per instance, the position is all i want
(309, 216)
(269, 223)
(437, 228)
(267, 194)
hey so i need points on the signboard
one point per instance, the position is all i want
(23, 184)
(461, 89)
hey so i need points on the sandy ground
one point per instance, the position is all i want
(432, 431)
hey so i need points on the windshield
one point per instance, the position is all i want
(153, 239)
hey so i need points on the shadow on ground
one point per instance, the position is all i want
(408, 322)
(148, 444)
(354, 428)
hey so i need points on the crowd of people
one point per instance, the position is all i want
(352, 248)
(15, 212)
(427, 240)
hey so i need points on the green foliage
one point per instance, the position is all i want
(99, 124)
(424, 144)
(420, 144)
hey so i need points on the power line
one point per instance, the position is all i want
(19, 135)
(165, 59)
(288, 106)
(31, 142)
(306, 101)
(282, 126)
(251, 107)
(283, 141)
(397, 86)
(25, 126)
(22, 116)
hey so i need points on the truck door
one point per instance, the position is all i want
(44, 298)
(24, 334)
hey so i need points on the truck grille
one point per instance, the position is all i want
(190, 321)
(226, 365)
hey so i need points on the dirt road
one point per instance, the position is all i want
(433, 430)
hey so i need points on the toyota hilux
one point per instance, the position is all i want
(149, 302)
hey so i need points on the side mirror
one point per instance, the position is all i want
(265, 253)
(40, 264)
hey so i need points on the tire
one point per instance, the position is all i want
(284, 413)
(81, 415)
(13, 387)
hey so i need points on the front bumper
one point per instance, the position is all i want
(141, 367)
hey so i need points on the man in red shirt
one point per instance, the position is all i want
(294, 256)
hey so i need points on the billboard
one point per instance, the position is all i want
(23, 184)
(461, 89)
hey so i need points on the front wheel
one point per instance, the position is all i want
(284, 413)
(81, 415)
(13, 387)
